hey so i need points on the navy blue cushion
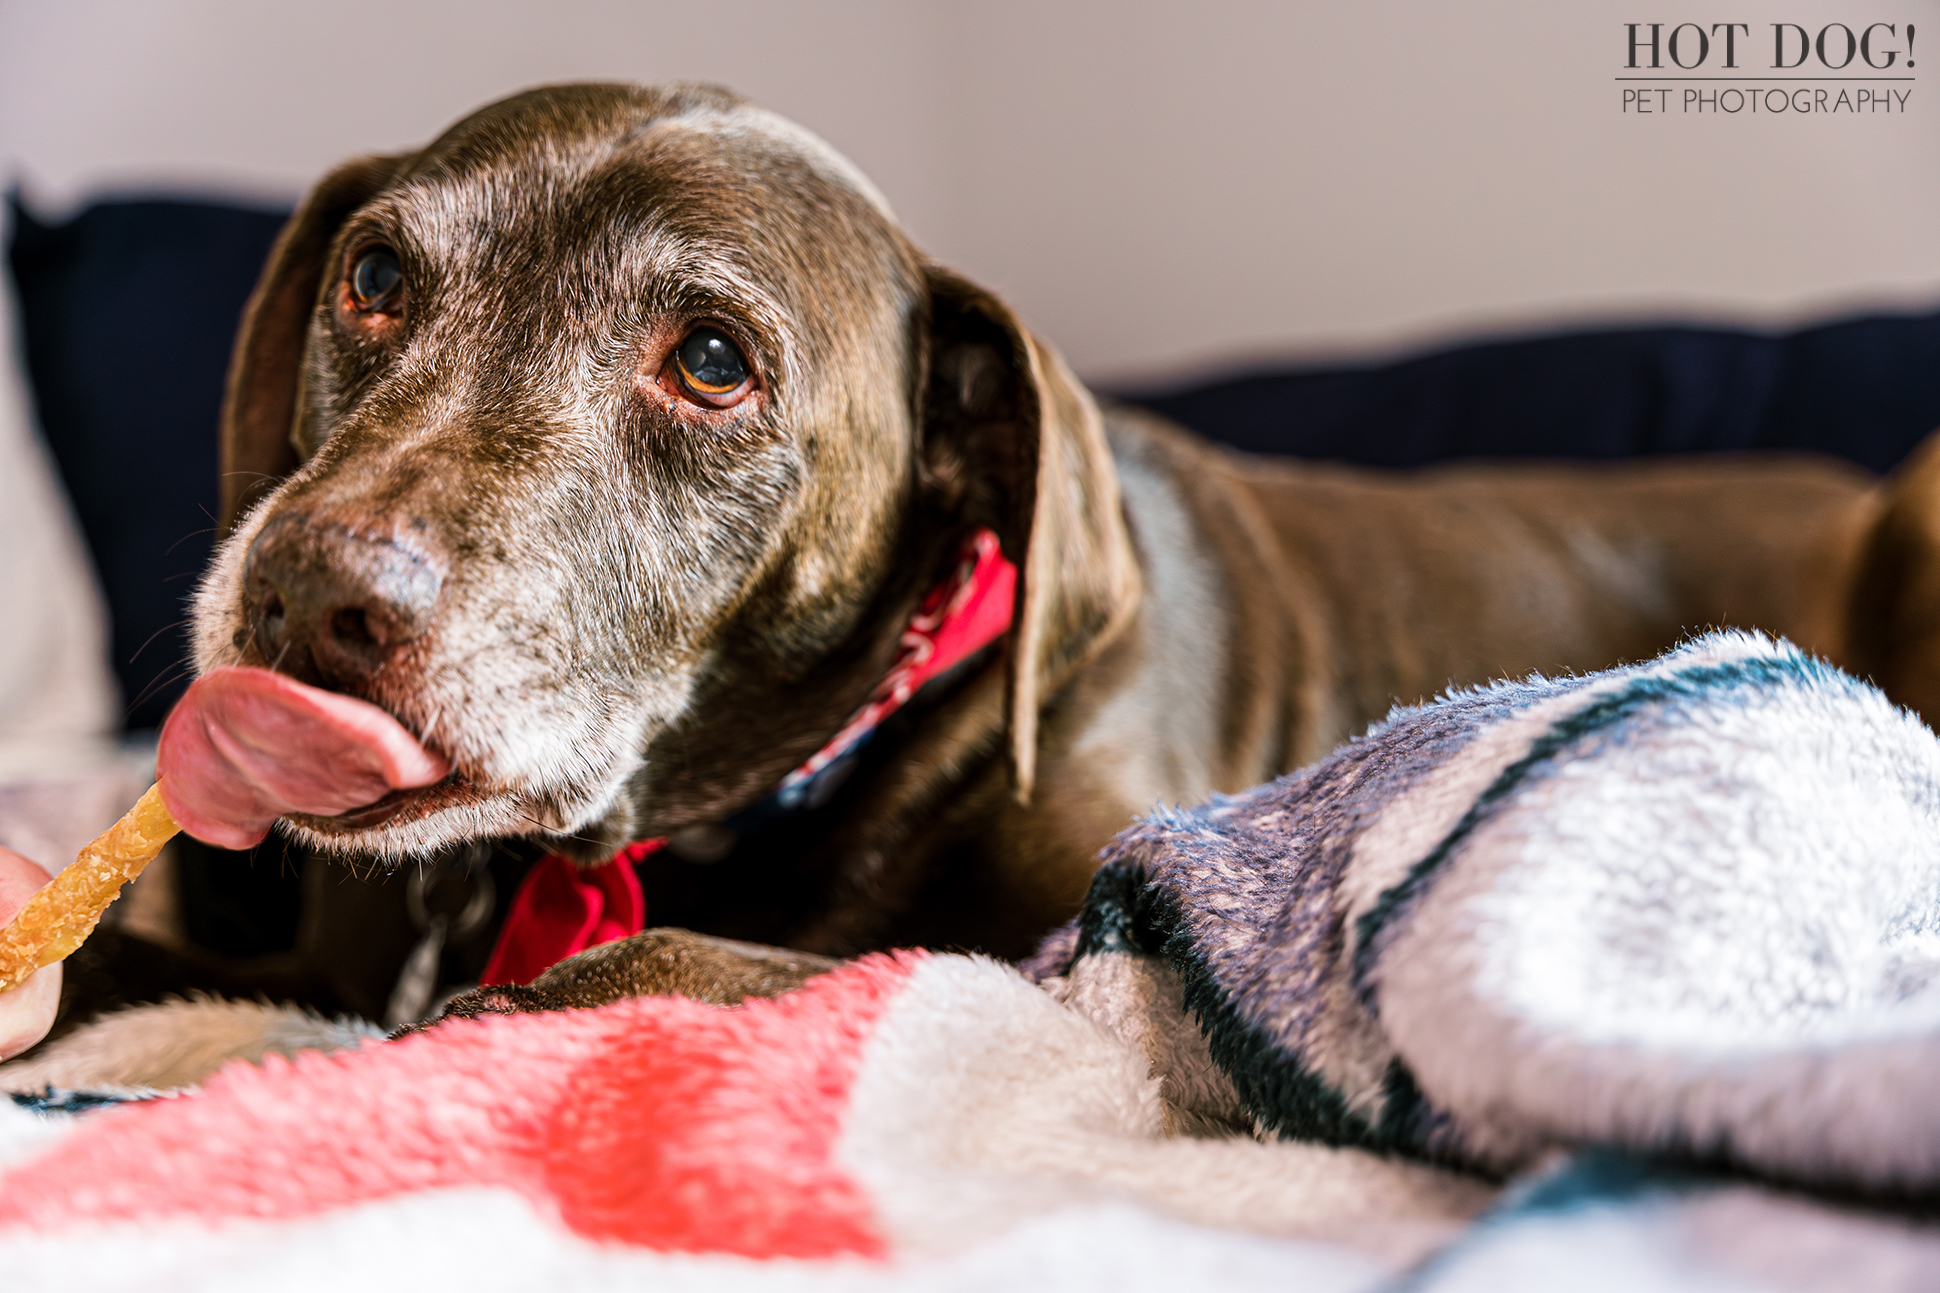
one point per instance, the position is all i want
(1865, 389)
(127, 315)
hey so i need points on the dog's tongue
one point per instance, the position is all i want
(246, 746)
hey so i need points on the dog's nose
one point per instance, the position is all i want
(331, 605)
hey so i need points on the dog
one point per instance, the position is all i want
(612, 441)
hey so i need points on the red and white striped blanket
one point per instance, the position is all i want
(908, 1121)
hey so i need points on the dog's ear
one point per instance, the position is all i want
(266, 367)
(1011, 440)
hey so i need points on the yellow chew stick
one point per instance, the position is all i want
(59, 918)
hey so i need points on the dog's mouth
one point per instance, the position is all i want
(396, 808)
(491, 787)
(246, 746)
(473, 799)
(373, 814)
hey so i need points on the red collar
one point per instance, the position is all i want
(562, 908)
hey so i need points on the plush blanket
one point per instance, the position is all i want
(1691, 907)
(1654, 947)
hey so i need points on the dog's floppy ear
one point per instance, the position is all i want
(1011, 440)
(266, 367)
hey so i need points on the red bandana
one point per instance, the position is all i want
(562, 908)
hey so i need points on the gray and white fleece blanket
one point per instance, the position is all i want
(1682, 918)
(1625, 981)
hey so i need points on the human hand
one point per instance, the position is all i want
(27, 1012)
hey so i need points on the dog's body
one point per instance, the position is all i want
(489, 495)
(1282, 608)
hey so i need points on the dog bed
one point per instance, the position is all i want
(1621, 981)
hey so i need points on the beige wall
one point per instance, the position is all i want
(1158, 187)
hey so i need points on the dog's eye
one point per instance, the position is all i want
(711, 366)
(376, 279)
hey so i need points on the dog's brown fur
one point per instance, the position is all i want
(648, 613)
(654, 962)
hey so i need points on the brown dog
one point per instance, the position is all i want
(610, 441)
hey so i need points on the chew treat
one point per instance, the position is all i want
(244, 747)
(58, 918)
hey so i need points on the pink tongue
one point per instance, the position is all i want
(246, 746)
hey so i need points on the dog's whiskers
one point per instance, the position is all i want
(556, 832)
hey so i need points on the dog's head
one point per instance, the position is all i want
(609, 441)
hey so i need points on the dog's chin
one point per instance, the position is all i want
(408, 824)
